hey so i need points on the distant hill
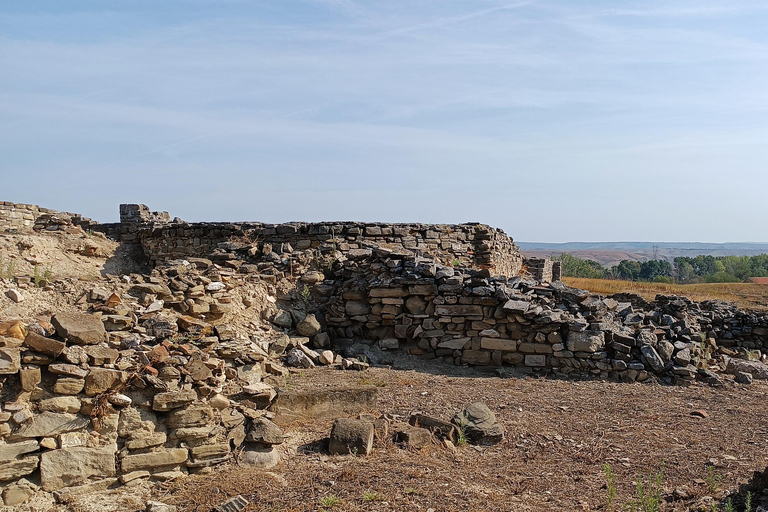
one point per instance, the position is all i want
(610, 253)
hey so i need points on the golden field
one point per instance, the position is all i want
(746, 295)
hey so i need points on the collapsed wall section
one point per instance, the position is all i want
(21, 218)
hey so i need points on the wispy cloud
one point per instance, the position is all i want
(444, 111)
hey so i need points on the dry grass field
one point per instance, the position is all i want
(746, 295)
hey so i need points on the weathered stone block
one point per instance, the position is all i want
(79, 328)
(153, 460)
(351, 436)
(585, 341)
(478, 357)
(75, 466)
(44, 345)
(498, 344)
(535, 360)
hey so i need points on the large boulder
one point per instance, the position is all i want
(79, 328)
(479, 425)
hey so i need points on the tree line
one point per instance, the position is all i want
(701, 269)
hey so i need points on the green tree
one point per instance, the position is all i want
(628, 269)
(576, 267)
(651, 269)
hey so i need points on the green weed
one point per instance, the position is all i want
(372, 496)
(713, 480)
(329, 501)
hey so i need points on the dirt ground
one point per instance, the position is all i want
(560, 434)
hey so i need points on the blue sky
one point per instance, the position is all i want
(554, 120)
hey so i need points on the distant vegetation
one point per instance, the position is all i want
(701, 269)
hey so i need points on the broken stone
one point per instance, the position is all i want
(101, 380)
(265, 432)
(479, 424)
(14, 295)
(235, 504)
(44, 345)
(68, 386)
(194, 416)
(10, 360)
(68, 404)
(11, 451)
(350, 436)
(13, 469)
(79, 328)
(49, 424)
(308, 327)
(413, 437)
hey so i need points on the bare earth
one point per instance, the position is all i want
(559, 436)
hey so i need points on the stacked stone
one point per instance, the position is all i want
(470, 244)
(17, 217)
(87, 405)
(466, 316)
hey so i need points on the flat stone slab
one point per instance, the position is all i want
(322, 403)
(76, 466)
(49, 424)
(79, 328)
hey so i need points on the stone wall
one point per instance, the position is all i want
(30, 217)
(18, 217)
(474, 245)
(469, 317)
(543, 270)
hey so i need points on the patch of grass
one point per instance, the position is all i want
(461, 439)
(366, 381)
(329, 501)
(648, 492)
(10, 269)
(411, 491)
(306, 293)
(369, 496)
(713, 480)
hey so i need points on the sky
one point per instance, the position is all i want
(554, 120)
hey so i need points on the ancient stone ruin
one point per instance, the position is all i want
(170, 371)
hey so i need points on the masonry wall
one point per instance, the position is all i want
(19, 217)
(475, 245)
(31, 217)
(466, 317)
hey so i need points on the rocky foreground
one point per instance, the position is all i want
(154, 372)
